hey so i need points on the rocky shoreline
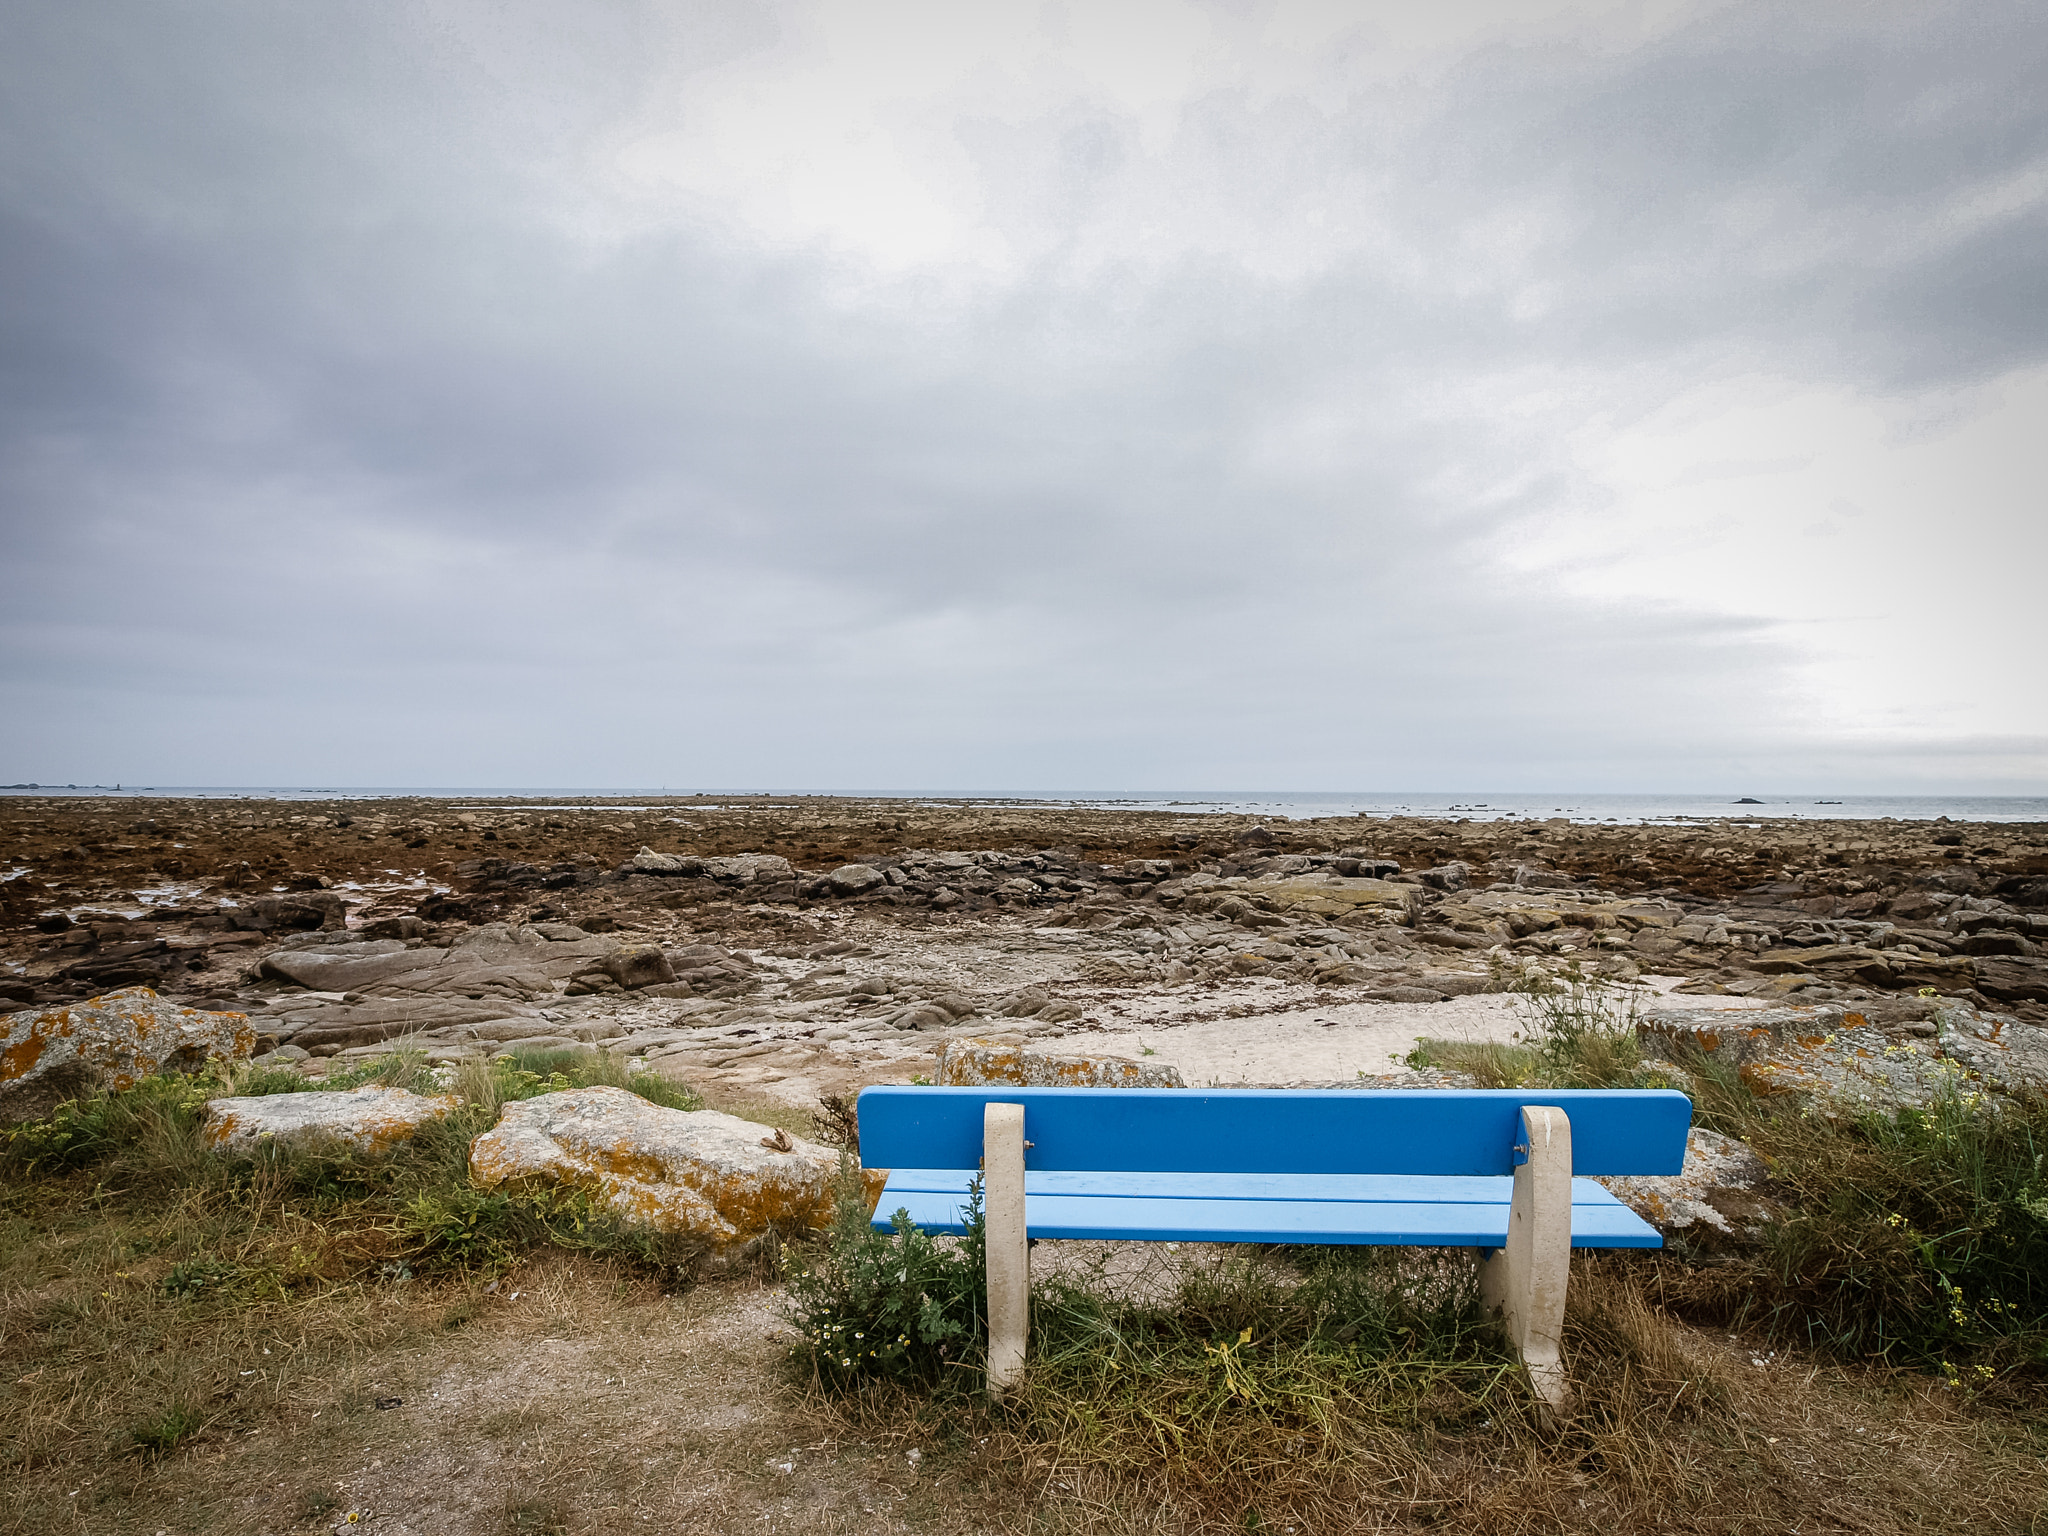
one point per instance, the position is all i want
(802, 948)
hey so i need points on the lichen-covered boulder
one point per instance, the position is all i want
(49, 1055)
(1712, 1202)
(971, 1063)
(363, 1119)
(1848, 1062)
(711, 1176)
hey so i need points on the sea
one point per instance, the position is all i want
(1288, 805)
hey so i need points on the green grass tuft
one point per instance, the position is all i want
(160, 1434)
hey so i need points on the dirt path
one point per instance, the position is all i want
(568, 1404)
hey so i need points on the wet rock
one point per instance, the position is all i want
(52, 1054)
(367, 1120)
(139, 961)
(638, 965)
(693, 1172)
(1454, 876)
(497, 874)
(2000, 942)
(1713, 1203)
(970, 1063)
(471, 908)
(853, 880)
(1915, 906)
(300, 909)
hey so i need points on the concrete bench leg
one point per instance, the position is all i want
(1009, 1250)
(1525, 1281)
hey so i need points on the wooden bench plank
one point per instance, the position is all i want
(1283, 1131)
(1443, 1224)
(1244, 1186)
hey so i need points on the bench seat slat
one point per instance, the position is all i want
(1481, 1188)
(1424, 1223)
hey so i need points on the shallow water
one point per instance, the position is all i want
(1501, 805)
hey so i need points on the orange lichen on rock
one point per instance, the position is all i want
(367, 1120)
(697, 1172)
(111, 1041)
(970, 1063)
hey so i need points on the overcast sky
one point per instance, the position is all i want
(1129, 395)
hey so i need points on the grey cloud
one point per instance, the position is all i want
(328, 454)
(1785, 179)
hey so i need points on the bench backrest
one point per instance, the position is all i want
(1278, 1130)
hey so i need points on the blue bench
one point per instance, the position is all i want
(1490, 1171)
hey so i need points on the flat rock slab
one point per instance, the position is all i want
(1743, 1036)
(970, 1063)
(1305, 896)
(365, 1119)
(385, 1019)
(697, 1172)
(349, 968)
(110, 1041)
(521, 960)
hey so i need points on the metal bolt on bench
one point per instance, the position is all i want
(1493, 1171)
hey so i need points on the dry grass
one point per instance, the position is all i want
(595, 1402)
(193, 1345)
(1674, 1430)
(185, 1349)
(761, 1108)
(574, 1398)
